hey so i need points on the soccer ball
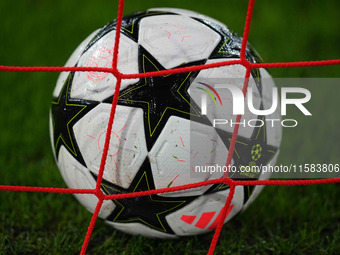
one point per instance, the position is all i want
(160, 135)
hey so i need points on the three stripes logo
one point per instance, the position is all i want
(203, 221)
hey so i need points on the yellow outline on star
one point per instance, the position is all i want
(223, 51)
(73, 150)
(144, 175)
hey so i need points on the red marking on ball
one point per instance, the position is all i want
(214, 224)
(204, 220)
(188, 218)
(182, 141)
(98, 143)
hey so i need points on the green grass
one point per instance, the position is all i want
(283, 220)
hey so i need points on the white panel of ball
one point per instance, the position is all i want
(100, 85)
(77, 176)
(180, 147)
(177, 42)
(127, 148)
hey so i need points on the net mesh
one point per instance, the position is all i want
(120, 76)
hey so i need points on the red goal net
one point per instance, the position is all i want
(120, 76)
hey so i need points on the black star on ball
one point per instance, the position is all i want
(148, 210)
(249, 152)
(253, 151)
(160, 97)
(65, 113)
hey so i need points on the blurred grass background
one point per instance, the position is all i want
(283, 220)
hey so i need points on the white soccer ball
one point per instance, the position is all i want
(160, 138)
